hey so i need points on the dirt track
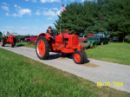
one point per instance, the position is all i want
(95, 71)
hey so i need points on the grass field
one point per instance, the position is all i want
(27, 44)
(113, 52)
(23, 77)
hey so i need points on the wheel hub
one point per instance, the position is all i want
(41, 48)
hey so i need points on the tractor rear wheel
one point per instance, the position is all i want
(79, 57)
(14, 43)
(42, 48)
(3, 42)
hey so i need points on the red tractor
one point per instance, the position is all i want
(11, 39)
(63, 43)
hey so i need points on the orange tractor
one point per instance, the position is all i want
(63, 43)
(11, 39)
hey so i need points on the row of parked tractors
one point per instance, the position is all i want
(64, 43)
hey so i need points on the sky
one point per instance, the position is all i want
(30, 16)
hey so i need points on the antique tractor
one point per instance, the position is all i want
(10, 39)
(63, 43)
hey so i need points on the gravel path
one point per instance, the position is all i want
(95, 71)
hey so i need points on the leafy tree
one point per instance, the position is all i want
(103, 15)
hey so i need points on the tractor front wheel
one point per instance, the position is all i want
(79, 57)
(42, 48)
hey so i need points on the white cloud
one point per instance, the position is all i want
(43, 1)
(34, 1)
(18, 10)
(90, 0)
(38, 13)
(23, 11)
(49, 1)
(26, 0)
(51, 12)
(7, 14)
(16, 6)
(5, 6)
(30, 1)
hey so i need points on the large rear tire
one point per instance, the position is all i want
(79, 57)
(42, 48)
(14, 43)
(3, 42)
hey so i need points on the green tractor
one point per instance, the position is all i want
(92, 40)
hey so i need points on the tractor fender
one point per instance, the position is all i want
(42, 34)
(45, 35)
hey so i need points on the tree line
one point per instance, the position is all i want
(111, 16)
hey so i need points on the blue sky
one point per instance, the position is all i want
(29, 16)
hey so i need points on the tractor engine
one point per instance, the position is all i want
(66, 43)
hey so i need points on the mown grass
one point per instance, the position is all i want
(23, 77)
(113, 52)
(27, 44)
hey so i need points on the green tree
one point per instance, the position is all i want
(104, 15)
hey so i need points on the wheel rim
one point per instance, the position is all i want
(77, 58)
(41, 48)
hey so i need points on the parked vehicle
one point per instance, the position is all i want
(10, 39)
(115, 39)
(0, 36)
(102, 37)
(31, 39)
(92, 40)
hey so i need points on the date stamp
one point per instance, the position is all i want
(109, 84)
